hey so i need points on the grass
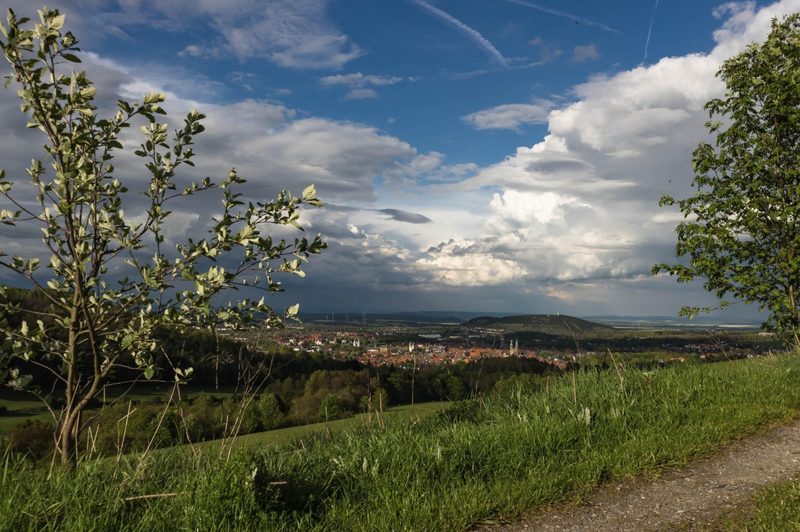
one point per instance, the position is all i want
(476, 461)
(278, 437)
(776, 508)
(21, 406)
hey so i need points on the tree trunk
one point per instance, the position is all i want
(795, 317)
(67, 440)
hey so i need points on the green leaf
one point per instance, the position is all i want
(740, 232)
(57, 22)
(245, 233)
(102, 283)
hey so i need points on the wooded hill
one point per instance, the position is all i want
(541, 323)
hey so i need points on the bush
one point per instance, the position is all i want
(207, 419)
(522, 381)
(33, 438)
(330, 409)
(269, 407)
(456, 391)
(304, 409)
(3, 409)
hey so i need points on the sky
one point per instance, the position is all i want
(472, 155)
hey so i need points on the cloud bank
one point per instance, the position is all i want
(571, 219)
(290, 33)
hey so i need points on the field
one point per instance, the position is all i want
(279, 437)
(478, 460)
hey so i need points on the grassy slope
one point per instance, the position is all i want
(276, 438)
(502, 456)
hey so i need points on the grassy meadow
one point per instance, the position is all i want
(275, 438)
(478, 460)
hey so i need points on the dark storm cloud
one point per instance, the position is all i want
(340, 208)
(559, 165)
(405, 216)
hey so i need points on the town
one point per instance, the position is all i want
(413, 345)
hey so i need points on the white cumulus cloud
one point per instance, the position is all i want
(582, 204)
(357, 80)
(509, 116)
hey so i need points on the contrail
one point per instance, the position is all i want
(562, 14)
(476, 37)
(649, 31)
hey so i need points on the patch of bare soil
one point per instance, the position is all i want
(681, 499)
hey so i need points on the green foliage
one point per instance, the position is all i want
(514, 382)
(330, 409)
(511, 453)
(269, 407)
(33, 439)
(742, 228)
(129, 427)
(456, 391)
(92, 322)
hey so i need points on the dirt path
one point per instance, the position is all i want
(693, 495)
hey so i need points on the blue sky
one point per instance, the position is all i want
(477, 155)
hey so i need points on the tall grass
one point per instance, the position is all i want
(501, 455)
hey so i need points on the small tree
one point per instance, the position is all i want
(742, 228)
(269, 407)
(100, 321)
(331, 408)
(456, 391)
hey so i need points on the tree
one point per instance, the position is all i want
(331, 408)
(742, 228)
(271, 412)
(103, 322)
(456, 391)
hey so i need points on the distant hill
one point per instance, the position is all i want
(400, 318)
(542, 323)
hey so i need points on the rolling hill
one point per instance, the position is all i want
(541, 323)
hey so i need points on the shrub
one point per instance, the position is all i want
(33, 438)
(304, 409)
(330, 409)
(269, 408)
(513, 382)
(456, 391)
(207, 422)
